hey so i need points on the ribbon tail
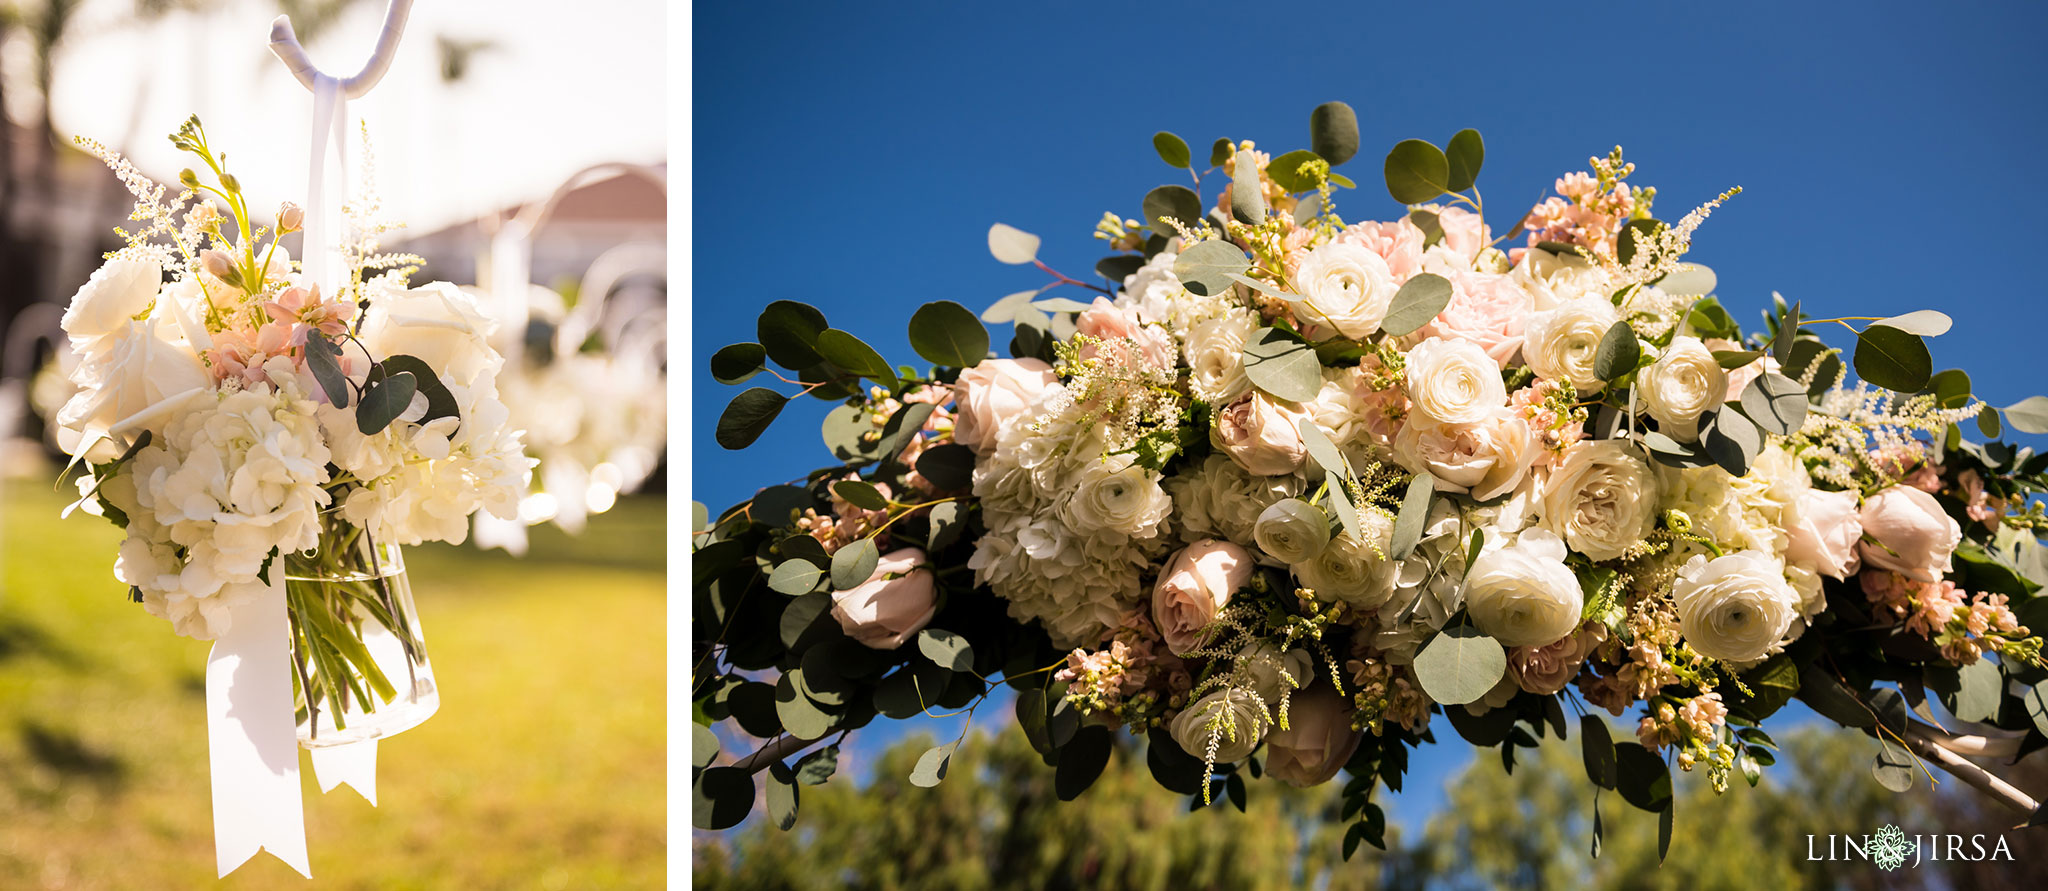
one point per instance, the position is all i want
(252, 738)
(354, 764)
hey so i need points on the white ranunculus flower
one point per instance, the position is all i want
(1735, 607)
(438, 323)
(1681, 385)
(1116, 495)
(1240, 726)
(1487, 458)
(1601, 499)
(117, 292)
(1344, 286)
(1559, 344)
(135, 382)
(1263, 662)
(1522, 594)
(1215, 356)
(1553, 280)
(1218, 499)
(1292, 531)
(1454, 381)
(1356, 572)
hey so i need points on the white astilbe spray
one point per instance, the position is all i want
(1657, 254)
(1853, 426)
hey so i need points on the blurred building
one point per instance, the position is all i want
(587, 221)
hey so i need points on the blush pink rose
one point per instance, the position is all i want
(897, 601)
(1317, 741)
(1824, 529)
(1259, 433)
(1196, 584)
(1398, 242)
(1110, 322)
(992, 393)
(1908, 534)
(1485, 309)
(1464, 231)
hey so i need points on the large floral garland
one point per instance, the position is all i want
(1292, 487)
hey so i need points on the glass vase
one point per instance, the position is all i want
(359, 662)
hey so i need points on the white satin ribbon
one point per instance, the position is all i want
(354, 764)
(252, 739)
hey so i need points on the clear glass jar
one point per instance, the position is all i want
(359, 662)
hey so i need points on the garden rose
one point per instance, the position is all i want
(1681, 385)
(1215, 354)
(1488, 458)
(1399, 243)
(1907, 532)
(1263, 662)
(1522, 594)
(1454, 382)
(1259, 433)
(1116, 495)
(1824, 528)
(1354, 571)
(117, 292)
(1560, 344)
(1244, 725)
(1317, 740)
(992, 393)
(895, 603)
(1487, 310)
(1108, 321)
(1195, 585)
(1734, 607)
(1601, 499)
(440, 324)
(1292, 531)
(136, 382)
(1346, 287)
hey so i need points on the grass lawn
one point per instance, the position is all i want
(543, 769)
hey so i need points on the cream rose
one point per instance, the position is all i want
(1522, 594)
(1196, 584)
(1215, 355)
(1681, 385)
(1906, 531)
(1263, 663)
(992, 393)
(1734, 607)
(440, 324)
(1116, 495)
(1560, 344)
(1344, 286)
(1292, 531)
(1488, 458)
(1242, 725)
(117, 292)
(896, 602)
(1317, 740)
(136, 382)
(1601, 499)
(1356, 572)
(1824, 528)
(1259, 433)
(1454, 382)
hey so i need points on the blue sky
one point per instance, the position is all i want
(853, 156)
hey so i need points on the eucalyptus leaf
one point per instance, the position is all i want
(1179, 202)
(1012, 245)
(703, 746)
(1205, 267)
(781, 797)
(1733, 359)
(321, 355)
(907, 422)
(946, 525)
(1460, 665)
(1061, 304)
(1643, 779)
(1776, 403)
(1982, 691)
(1414, 515)
(1688, 280)
(788, 330)
(854, 564)
(384, 400)
(801, 716)
(1732, 440)
(1321, 449)
(1172, 149)
(1924, 322)
(1466, 152)
(1417, 172)
(1118, 267)
(817, 766)
(1892, 768)
(946, 649)
(1282, 366)
(1247, 194)
(1286, 171)
(2029, 415)
(1416, 304)
(1010, 307)
(1619, 352)
(861, 494)
(795, 577)
(1432, 226)
(931, 766)
(1333, 132)
(854, 355)
(1599, 750)
(1634, 235)
(440, 400)
(1894, 359)
(947, 334)
(720, 798)
(1219, 151)
(747, 416)
(1081, 761)
(947, 467)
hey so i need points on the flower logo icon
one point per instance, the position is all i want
(1889, 847)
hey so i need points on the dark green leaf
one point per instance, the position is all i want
(747, 416)
(778, 505)
(1825, 694)
(861, 494)
(753, 705)
(1417, 172)
(1618, 353)
(1333, 132)
(736, 363)
(1635, 234)
(1286, 171)
(1173, 768)
(946, 649)
(802, 613)
(1413, 516)
(1204, 268)
(1179, 202)
(440, 401)
(853, 564)
(1416, 304)
(1283, 366)
(1776, 403)
(320, 358)
(1081, 761)
(1460, 665)
(789, 330)
(946, 333)
(1431, 225)
(1733, 359)
(1892, 767)
(947, 467)
(1171, 149)
(383, 401)
(1893, 359)
(1951, 388)
(854, 355)
(720, 798)
(1465, 154)
(2036, 702)
(1664, 832)
(907, 422)
(1219, 151)
(912, 689)
(1599, 750)
(1642, 778)
(1119, 267)
(1981, 693)
(1732, 440)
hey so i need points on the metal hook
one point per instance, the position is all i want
(285, 44)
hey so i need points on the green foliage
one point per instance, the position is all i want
(1893, 359)
(1333, 132)
(747, 416)
(1205, 268)
(1466, 153)
(1460, 665)
(947, 334)
(1417, 172)
(1416, 304)
(1618, 353)
(1179, 202)
(1282, 365)
(383, 400)
(1172, 149)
